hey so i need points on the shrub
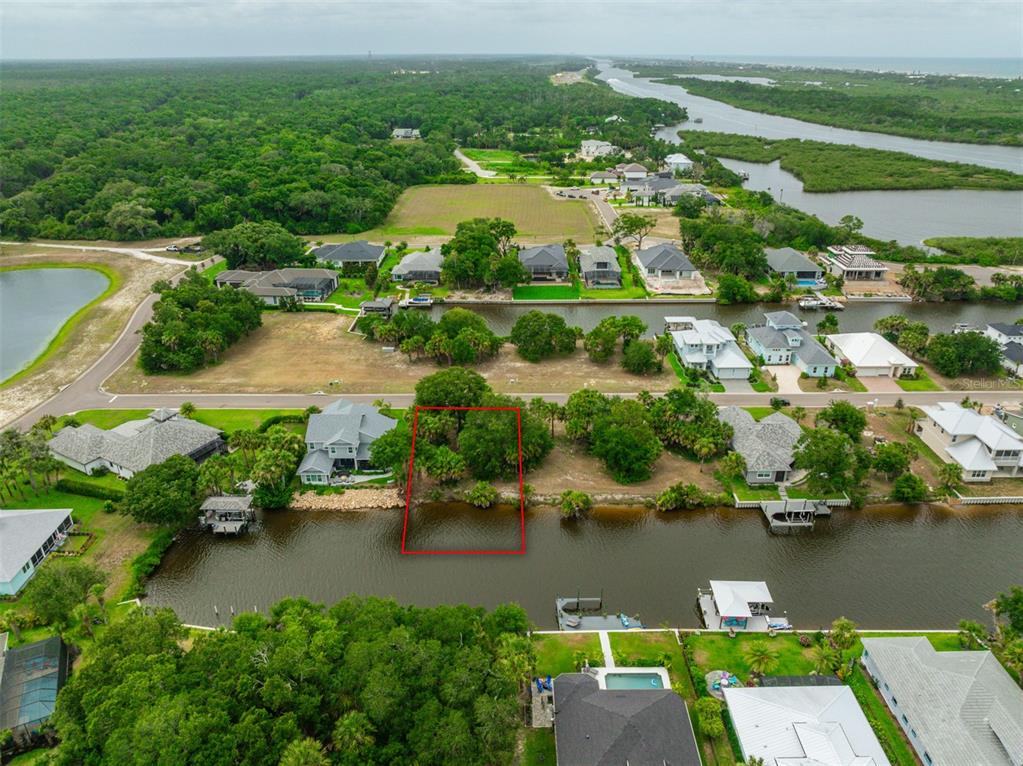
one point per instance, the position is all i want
(79, 487)
(274, 420)
(146, 562)
(708, 713)
(575, 503)
(640, 358)
(482, 495)
(909, 488)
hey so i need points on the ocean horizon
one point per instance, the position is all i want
(973, 67)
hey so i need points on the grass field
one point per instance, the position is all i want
(922, 382)
(555, 654)
(226, 420)
(211, 273)
(538, 748)
(425, 211)
(546, 292)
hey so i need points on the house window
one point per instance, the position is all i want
(927, 757)
(28, 565)
(894, 701)
(651, 271)
(904, 719)
(912, 733)
(814, 370)
(978, 474)
(763, 474)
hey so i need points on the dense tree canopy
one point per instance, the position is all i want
(259, 246)
(965, 353)
(538, 335)
(164, 493)
(368, 680)
(134, 150)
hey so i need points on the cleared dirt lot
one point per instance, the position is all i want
(304, 353)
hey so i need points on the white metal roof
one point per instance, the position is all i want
(733, 597)
(961, 421)
(868, 349)
(22, 533)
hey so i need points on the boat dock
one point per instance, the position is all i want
(227, 514)
(583, 613)
(814, 302)
(739, 606)
(793, 515)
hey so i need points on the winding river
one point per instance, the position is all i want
(34, 305)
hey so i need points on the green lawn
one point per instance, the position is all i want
(538, 748)
(555, 653)
(799, 493)
(922, 382)
(759, 413)
(546, 292)
(226, 420)
(743, 491)
(716, 651)
(211, 273)
(85, 508)
(852, 382)
(684, 378)
(35, 757)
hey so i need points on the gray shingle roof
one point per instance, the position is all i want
(431, 260)
(780, 319)
(600, 727)
(785, 260)
(589, 257)
(544, 255)
(665, 257)
(22, 533)
(227, 503)
(1013, 352)
(137, 444)
(963, 705)
(359, 251)
(349, 424)
(316, 461)
(765, 446)
(1012, 330)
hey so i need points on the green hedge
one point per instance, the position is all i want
(146, 562)
(88, 489)
(276, 419)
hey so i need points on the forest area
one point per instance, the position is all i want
(936, 107)
(137, 150)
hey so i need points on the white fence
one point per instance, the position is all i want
(991, 500)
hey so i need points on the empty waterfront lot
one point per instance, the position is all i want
(307, 352)
(423, 212)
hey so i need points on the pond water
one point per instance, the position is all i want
(901, 567)
(858, 317)
(906, 216)
(34, 305)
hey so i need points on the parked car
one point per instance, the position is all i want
(777, 402)
(192, 249)
(173, 249)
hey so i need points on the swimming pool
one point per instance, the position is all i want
(633, 681)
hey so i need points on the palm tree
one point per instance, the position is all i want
(761, 657)
(733, 464)
(704, 448)
(798, 413)
(843, 634)
(1013, 655)
(186, 410)
(353, 733)
(951, 476)
(304, 752)
(825, 659)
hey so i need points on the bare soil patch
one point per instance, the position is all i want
(93, 335)
(122, 541)
(305, 352)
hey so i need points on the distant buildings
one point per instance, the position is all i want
(955, 707)
(419, 267)
(272, 287)
(703, 344)
(599, 267)
(406, 134)
(339, 438)
(135, 445)
(981, 444)
(782, 340)
(632, 171)
(803, 726)
(678, 163)
(855, 263)
(603, 177)
(358, 252)
(31, 676)
(592, 148)
(545, 262)
(766, 445)
(872, 355)
(665, 190)
(26, 538)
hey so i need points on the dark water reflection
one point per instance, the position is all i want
(919, 567)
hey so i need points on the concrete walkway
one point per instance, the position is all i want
(474, 166)
(605, 647)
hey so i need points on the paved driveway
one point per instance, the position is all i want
(879, 385)
(788, 378)
(737, 386)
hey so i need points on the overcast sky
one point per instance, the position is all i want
(44, 29)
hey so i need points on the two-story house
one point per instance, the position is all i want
(983, 445)
(855, 263)
(339, 438)
(1010, 338)
(703, 344)
(782, 340)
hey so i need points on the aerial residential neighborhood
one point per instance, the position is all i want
(387, 385)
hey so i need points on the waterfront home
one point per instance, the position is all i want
(599, 267)
(339, 439)
(603, 177)
(872, 355)
(632, 171)
(703, 344)
(592, 148)
(31, 677)
(596, 726)
(782, 340)
(665, 268)
(358, 253)
(981, 444)
(956, 707)
(226, 514)
(546, 263)
(383, 306)
(1010, 338)
(766, 445)
(272, 287)
(665, 190)
(406, 134)
(419, 267)
(855, 263)
(738, 605)
(26, 538)
(1012, 358)
(133, 446)
(790, 263)
(803, 724)
(678, 163)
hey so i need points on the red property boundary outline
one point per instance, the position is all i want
(408, 490)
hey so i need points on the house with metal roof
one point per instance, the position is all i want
(871, 354)
(738, 605)
(340, 438)
(546, 263)
(31, 676)
(855, 263)
(766, 445)
(1010, 338)
(803, 726)
(358, 252)
(592, 148)
(419, 266)
(135, 445)
(678, 162)
(26, 538)
(614, 727)
(703, 344)
(981, 444)
(599, 267)
(955, 707)
(782, 339)
(274, 286)
(789, 262)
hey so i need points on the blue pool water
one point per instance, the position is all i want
(633, 681)
(806, 282)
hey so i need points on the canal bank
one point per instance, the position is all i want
(650, 563)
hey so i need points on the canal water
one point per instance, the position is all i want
(34, 305)
(858, 317)
(901, 567)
